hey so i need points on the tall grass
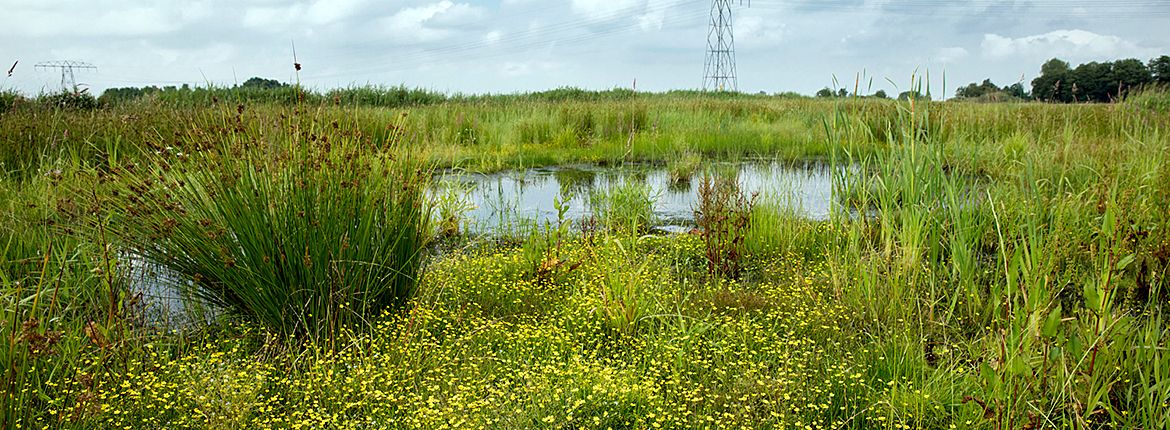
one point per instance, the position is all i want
(9, 100)
(300, 227)
(626, 208)
(1018, 262)
(778, 228)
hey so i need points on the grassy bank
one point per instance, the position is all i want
(1012, 271)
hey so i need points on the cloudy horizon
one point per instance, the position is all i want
(504, 46)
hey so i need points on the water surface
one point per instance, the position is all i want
(503, 200)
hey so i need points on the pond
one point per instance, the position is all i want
(505, 201)
(500, 201)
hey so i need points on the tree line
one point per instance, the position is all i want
(1059, 82)
(133, 93)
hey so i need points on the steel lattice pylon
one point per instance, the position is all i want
(719, 68)
(68, 81)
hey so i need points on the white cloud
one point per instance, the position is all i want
(131, 21)
(1062, 43)
(493, 37)
(419, 24)
(951, 54)
(514, 69)
(321, 12)
(604, 9)
(655, 14)
(756, 30)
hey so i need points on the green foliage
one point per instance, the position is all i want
(1154, 99)
(777, 229)
(1160, 69)
(67, 100)
(624, 209)
(682, 169)
(382, 96)
(1054, 83)
(1093, 81)
(304, 236)
(988, 91)
(451, 206)
(627, 286)
(913, 95)
(9, 100)
(258, 82)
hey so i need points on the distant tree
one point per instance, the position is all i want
(881, 94)
(825, 92)
(842, 93)
(973, 91)
(989, 91)
(258, 82)
(1092, 82)
(1160, 69)
(1054, 83)
(126, 94)
(1017, 90)
(1129, 74)
(907, 95)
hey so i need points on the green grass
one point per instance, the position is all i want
(1003, 266)
(626, 208)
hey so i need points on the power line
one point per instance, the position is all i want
(524, 41)
(541, 36)
(1045, 9)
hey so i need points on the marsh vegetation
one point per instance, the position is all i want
(979, 265)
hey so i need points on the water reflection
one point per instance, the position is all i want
(500, 200)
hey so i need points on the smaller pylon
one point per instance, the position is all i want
(68, 80)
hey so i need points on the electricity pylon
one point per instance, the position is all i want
(68, 81)
(719, 68)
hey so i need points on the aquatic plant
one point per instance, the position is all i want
(681, 170)
(626, 208)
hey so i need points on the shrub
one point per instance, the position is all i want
(70, 100)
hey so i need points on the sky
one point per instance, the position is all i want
(506, 46)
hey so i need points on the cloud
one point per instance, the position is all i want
(951, 54)
(655, 14)
(493, 45)
(1062, 43)
(514, 69)
(429, 22)
(604, 9)
(124, 22)
(320, 12)
(757, 30)
(492, 37)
